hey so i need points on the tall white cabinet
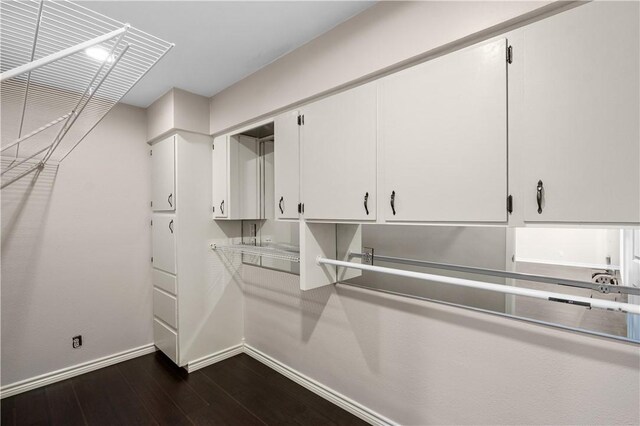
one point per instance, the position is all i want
(179, 241)
(575, 115)
(443, 137)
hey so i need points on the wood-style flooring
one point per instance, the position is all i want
(151, 390)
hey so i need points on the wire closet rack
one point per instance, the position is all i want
(63, 67)
(269, 252)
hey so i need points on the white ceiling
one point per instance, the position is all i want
(218, 43)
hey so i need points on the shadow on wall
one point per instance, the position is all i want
(285, 294)
(484, 323)
(483, 247)
(25, 205)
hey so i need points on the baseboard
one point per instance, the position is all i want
(76, 370)
(213, 358)
(319, 389)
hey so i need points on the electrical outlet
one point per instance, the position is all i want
(76, 342)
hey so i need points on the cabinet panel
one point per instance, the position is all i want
(164, 243)
(443, 130)
(287, 165)
(166, 282)
(338, 156)
(163, 192)
(579, 115)
(165, 307)
(243, 200)
(166, 340)
(220, 177)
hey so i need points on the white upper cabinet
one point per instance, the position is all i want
(576, 115)
(164, 242)
(287, 165)
(163, 172)
(338, 156)
(443, 134)
(220, 182)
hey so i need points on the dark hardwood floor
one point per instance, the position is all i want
(151, 390)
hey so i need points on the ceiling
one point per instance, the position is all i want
(218, 43)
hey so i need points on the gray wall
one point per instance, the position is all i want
(424, 363)
(75, 253)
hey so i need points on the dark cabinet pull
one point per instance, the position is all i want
(169, 200)
(280, 205)
(222, 207)
(393, 202)
(171, 226)
(539, 195)
(366, 202)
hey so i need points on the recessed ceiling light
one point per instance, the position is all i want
(98, 53)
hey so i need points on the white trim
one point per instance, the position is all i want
(213, 358)
(75, 370)
(319, 389)
(568, 263)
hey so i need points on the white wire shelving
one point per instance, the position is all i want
(270, 252)
(63, 67)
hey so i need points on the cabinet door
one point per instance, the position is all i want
(287, 165)
(220, 177)
(338, 152)
(443, 131)
(578, 121)
(164, 242)
(163, 172)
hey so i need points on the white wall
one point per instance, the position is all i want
(418, 362)
(570, 247)
(383, 36)
(422, 363)
(76, 251)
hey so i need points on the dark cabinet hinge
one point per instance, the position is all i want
(301, 208)
(510, 204)
(213, 209)
(300, 120)
(151, 202)
(152, 223)
(213, 146)
(150, 153)
(152, 260)
(509, 54)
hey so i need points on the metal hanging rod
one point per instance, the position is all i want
(602, 288)
(498, 288)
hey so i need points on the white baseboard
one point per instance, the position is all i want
(75, 370)
(213, 358)
(319, 389)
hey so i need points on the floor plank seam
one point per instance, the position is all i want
(75, 395)
(147, 409)
(233, 398)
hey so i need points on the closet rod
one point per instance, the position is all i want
(602, 288)
(499, 288)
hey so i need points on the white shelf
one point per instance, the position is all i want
(290, 254)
